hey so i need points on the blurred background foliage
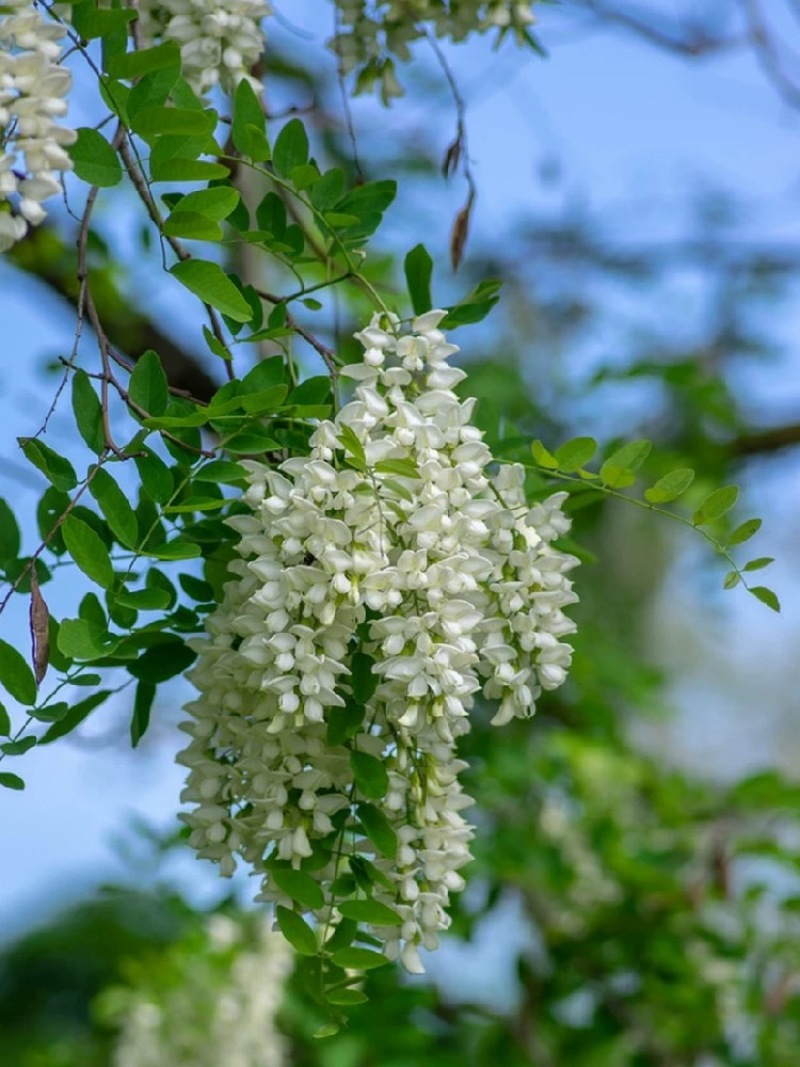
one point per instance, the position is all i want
(651, 914)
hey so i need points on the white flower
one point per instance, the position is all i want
(212, 1001)
(374, 602)
(33, 90)
(220, 42)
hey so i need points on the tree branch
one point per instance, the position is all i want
(44, 256)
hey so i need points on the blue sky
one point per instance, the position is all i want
(633, 131)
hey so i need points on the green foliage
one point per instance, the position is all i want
(605, 851)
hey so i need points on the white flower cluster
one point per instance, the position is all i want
(372, 32)
(220, 40)
(386, 580)
(33, 90)
(211, 1002)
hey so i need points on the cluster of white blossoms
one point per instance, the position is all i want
(209, 1002)
(33, 90)
(371, 32)
(386, 581)
(220, 40)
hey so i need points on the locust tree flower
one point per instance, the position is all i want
(33, 91)
(220, 42)
(387, 582)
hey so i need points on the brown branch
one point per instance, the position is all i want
(694, 42)
(768, 55)
(764, 442)
(42, 255)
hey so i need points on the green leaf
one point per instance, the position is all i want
(192, 227)
(732, 579)
(343, 723)
(196, 588)
(143, 599)
(251, 443)
(369, 911)
(542, 457)
(328, 189)
(174, 550)
(297, 932)
(248, 128)
(291, 148)
(210, 282)
(344, 998)
(618, 470)
(161, 662)
(474, 307)
(5, 722)
(221, 472)
(271, 215)
(671, 486)
(18, 748)
(299, 886)
(150, 92)
(142, 703)
(326, 1030)
(198, 417)
(316, 390)
(153, 122)
(403, 468)
(759, 563)
(148, 387)
(51, 713)
(75, 716)
(116, 510)
(379, 829)
(155, 475)
(352, 445)
(215, 203)
(358, 959)
(82, 639)
(10, 540)
(575, 454)
(94, 160)
(58, 470)
(363, 681)
(86, 680)
(716, 505)
(745, 531)
(419, 270)
(11, 781)
(142, 61)
(766, 596)
(367, 874)
(16, 676)
(90, 22)
(185, 170)
(88, 412)
(370, 775)
(88, 550)
(342, 936)
(265, 402)
(370, 198)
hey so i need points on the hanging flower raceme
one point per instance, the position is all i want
(33, 90)
(207, 1001)
(220, 40)
(386, 581)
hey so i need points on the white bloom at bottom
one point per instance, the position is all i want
(208, 1002)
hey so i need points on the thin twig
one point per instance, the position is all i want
(346, 109)
(767, 54)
